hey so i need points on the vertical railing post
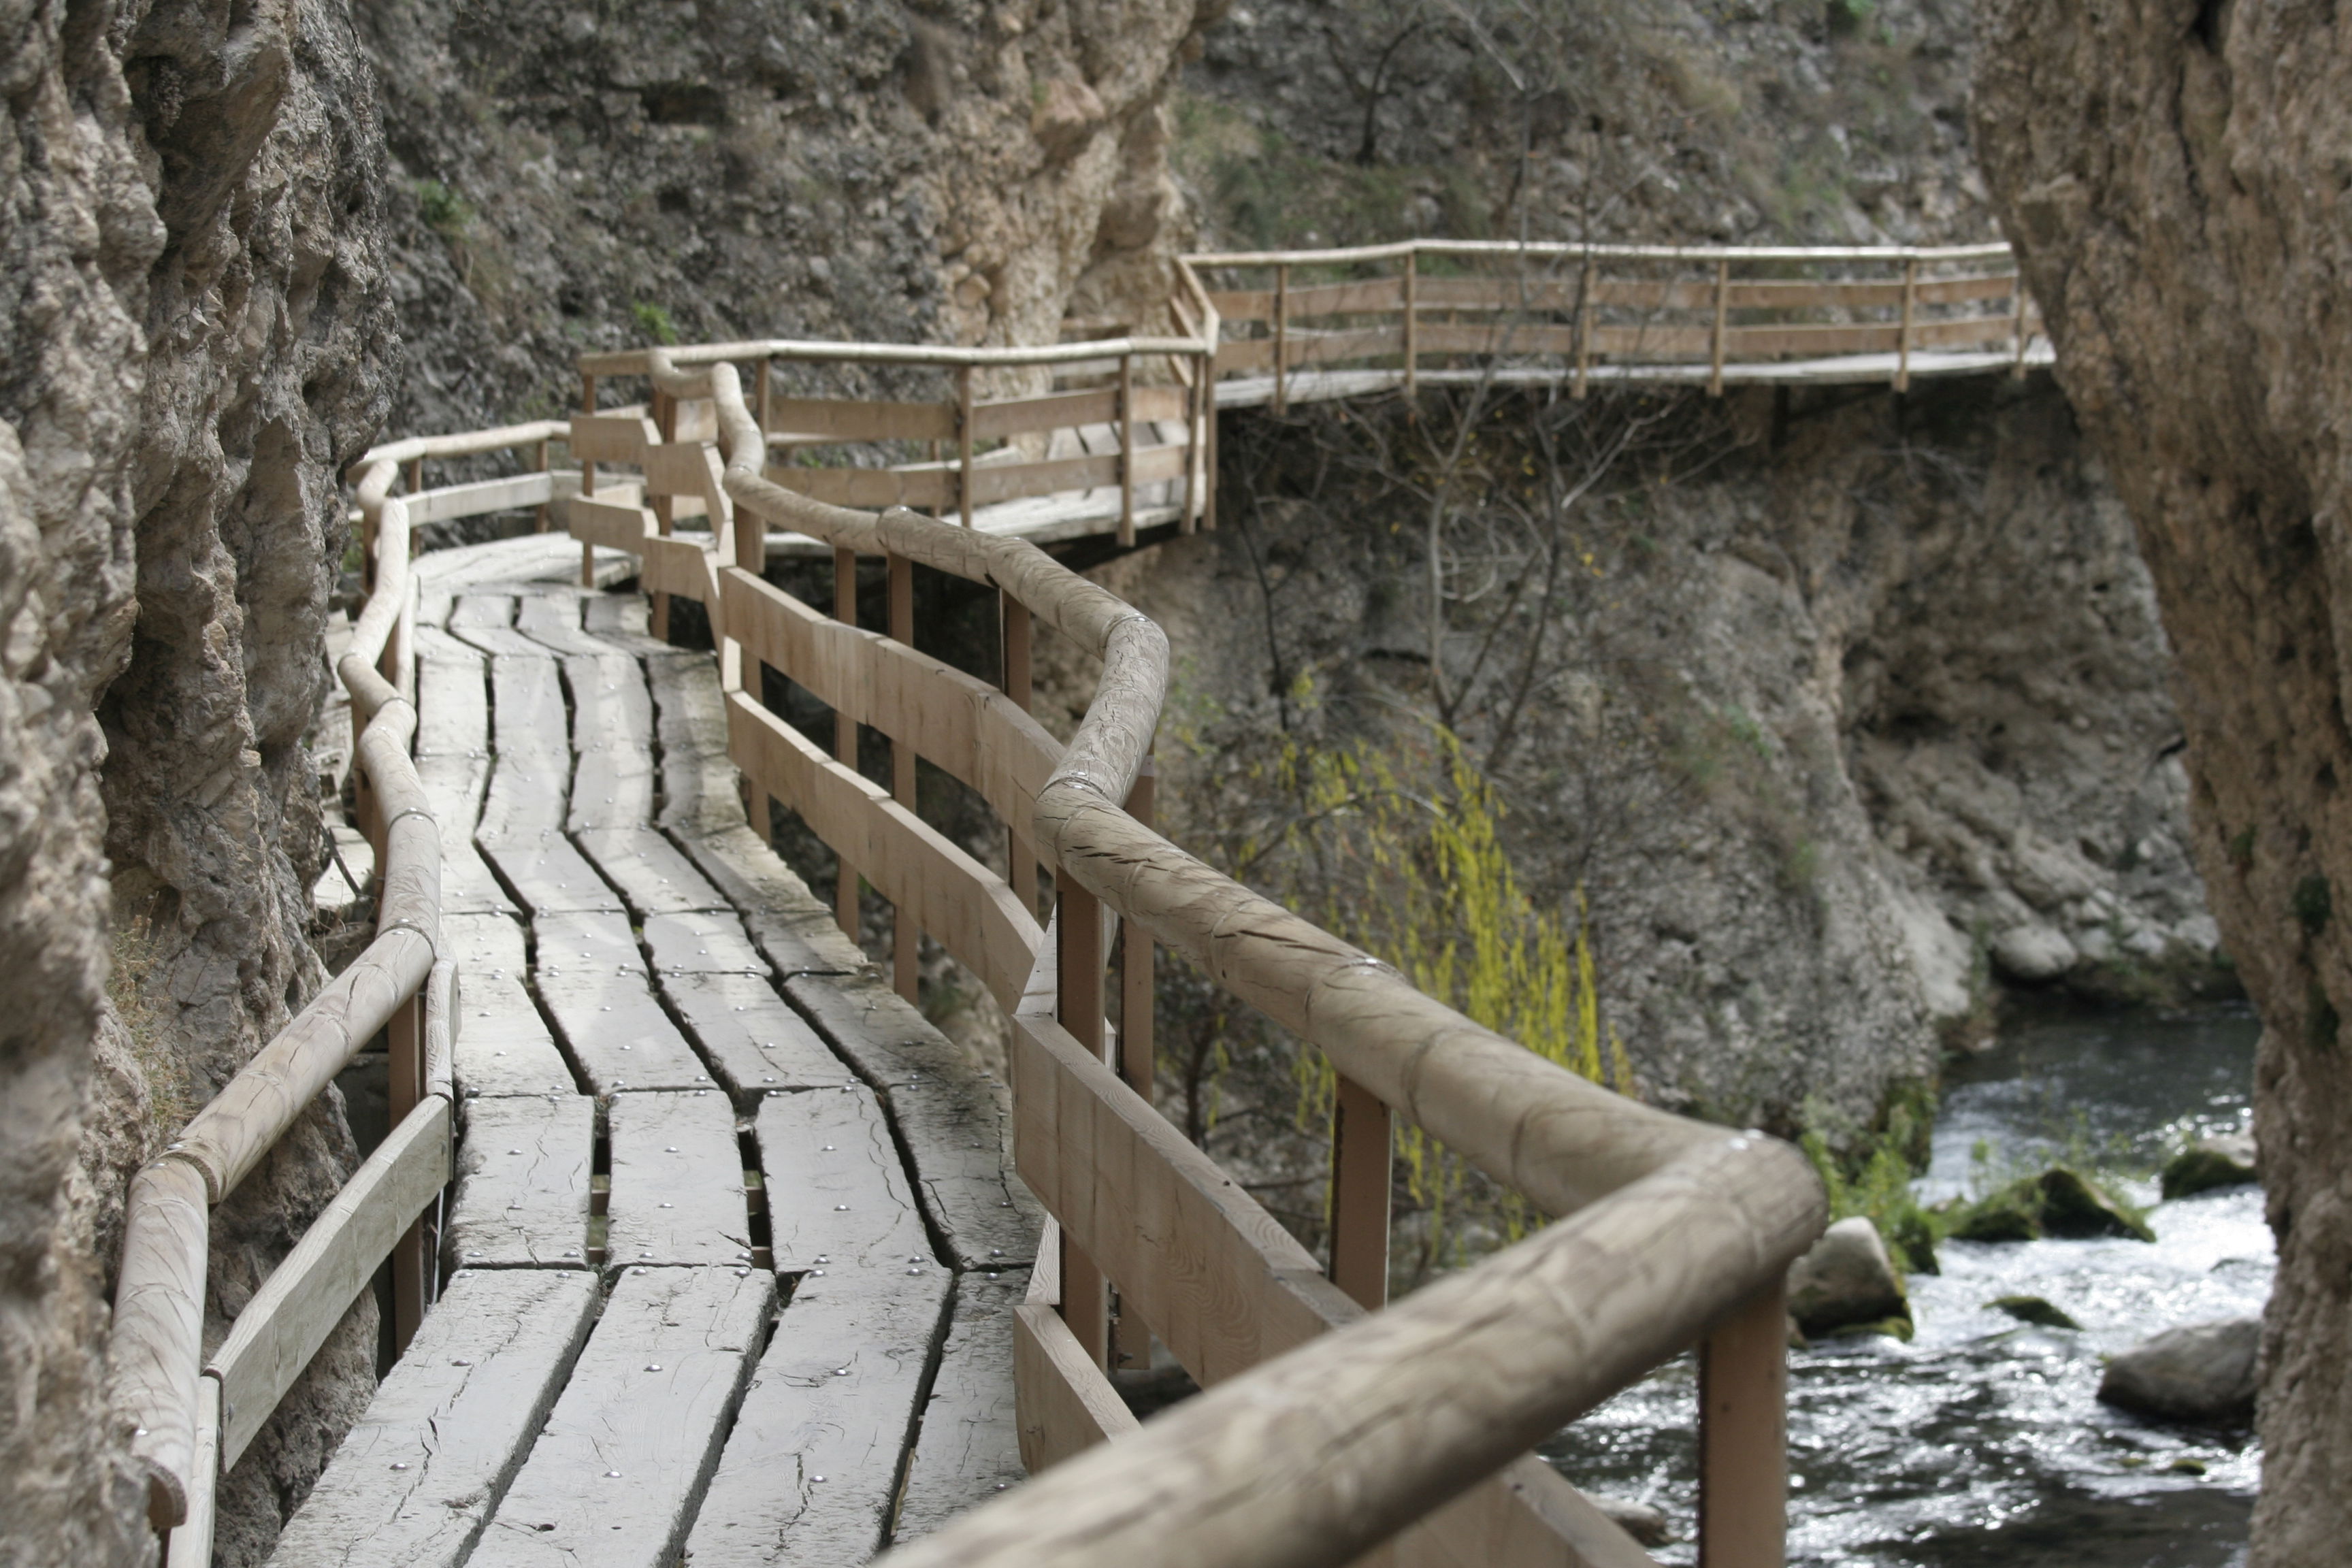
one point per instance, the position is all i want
(761, 403)
(1743, 1438)
(845, 740)
(1127, 449)
(1136, 1062)
(404, 1033)
(1584, 325)
(1413, 326)
(1079, 955)
(587, 481)
(1282, 338)
(1722, 314)
(415, 476)
(664, 507)
(1021, 862)
(905, 934)
(1903, 335)
(2024, 333)
(547, 507)
(1195, 378)
(964, 508)
(1209, 442)
(1360, 1183)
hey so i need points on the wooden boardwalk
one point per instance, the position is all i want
(732, 1252)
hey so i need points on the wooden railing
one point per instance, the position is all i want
(192, 1416)
(1577, 313)
(1329, 1426)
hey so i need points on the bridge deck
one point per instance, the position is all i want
(731, 1260)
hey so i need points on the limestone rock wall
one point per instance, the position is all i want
(2174, 175)
(570, 178)
(197, 336)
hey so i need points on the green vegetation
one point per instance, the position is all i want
(655, 322)
(2202, 1170)
(2060, 1202)
(444, 212)
(1873, 1178)
(2033, 1310)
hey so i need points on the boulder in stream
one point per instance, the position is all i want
(2226, 1159)
(1848, 1283)
(2060, 1203)
(2202, 1373)
(2033, 1309)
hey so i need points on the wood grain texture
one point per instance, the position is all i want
(615, 1477)
(155, 1347)
(699, 793)
(456, 1414)
(968, 1448)
(754, 1042)
(612, 737)
(837, 1193)
(786, 922)
(503, 1045)
(614, 1029)
(951, 1116)
(452, 700)
(522, 1198)
(678, 1181)
(306, 1294)
(548, 875)
(652, 876)
(1066, 1405)
(701, 942)
(811, 1470)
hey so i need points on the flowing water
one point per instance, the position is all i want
(1980, 1442)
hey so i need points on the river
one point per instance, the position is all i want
(1982, 1441)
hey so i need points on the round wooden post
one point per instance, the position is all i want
(406, 1037)
(1079, 1004)
(2024, 334)
(1743, 1435)
(664, 507)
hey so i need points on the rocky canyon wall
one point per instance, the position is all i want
(2176, 176)
(197, 336)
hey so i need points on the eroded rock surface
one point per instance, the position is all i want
(2201, 1372)
(196, 338)
(2172, 174)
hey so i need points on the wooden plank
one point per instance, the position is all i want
(1964, 333)
(754, 1043)
(1065, 1404)
(615, 1477)
(842, 419)
(306, 1296)
(994, 421)
(619, 620)
(552, 621)
(1626, 342)
(525, 802)
(926, 490)
(453, 702)
(837, 1195)
(1762, 342)
(490, 634)
(191, 1543)
(611, 438)
(653, 877)
(787, 924)
(699, 781)
(1533, 338)
(611, 739)
(968, 1448)
(811, 1470)
(523, 1184)
(702, 941)
(951, 1116)
(618, 1034)
(412, 1484)
(1743, 1435)
(548, 875)
(504, 1046)
(614, 524)
(483, 497)
(1525, 1514)
(678, 1181)
(679, 565)
(586, 941)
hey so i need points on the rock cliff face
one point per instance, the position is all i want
(2175, 176)
(572, 177)
(197, 337)
(1811, 732)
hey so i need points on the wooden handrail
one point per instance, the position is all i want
(1562, 249)
(1674, 1223)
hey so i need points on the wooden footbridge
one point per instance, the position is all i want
(705, 1246)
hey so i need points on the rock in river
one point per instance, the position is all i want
(2202, 1373)
(2058, 1203)
(1846, 1281)
(2225, 1161)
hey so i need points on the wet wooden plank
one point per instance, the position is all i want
(678, 1181)
(837, 1193)
(784, 918)
(612, 731)
(653, 878)
(810, 1469)
(523, 1184)
(486, 621)
(548, 875)
(702, 942)
(453, 698)
(616, 1478)
(622, 621)
(753, 1041)
(969, 1450)
(552, 620)
(412, 1482)
(952, 1117)
(700, 793)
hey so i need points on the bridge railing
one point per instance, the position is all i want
(1328, 1426)
(192, 1415)
(1440, 309)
